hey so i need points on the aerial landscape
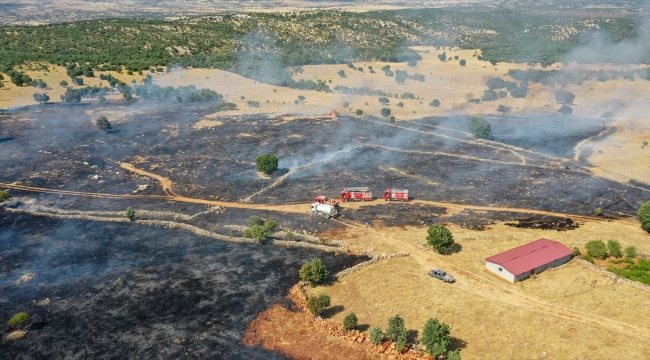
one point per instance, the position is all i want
(325, 179)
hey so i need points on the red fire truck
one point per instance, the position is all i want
(324, 200)
(396, 195)
(356, 194)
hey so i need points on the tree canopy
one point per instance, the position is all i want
(480, 127)
(267, 163)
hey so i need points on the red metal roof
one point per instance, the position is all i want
(530, 256)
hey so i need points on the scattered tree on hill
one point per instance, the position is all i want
(346, 104)
(400, 76)
(19, 78)
(4, 195)
(314, 272)
(78, 81)
(127, 96)
(496, 83)
(440, 238)
(385, 68)
(434, 103)
(102, 123)
(564, 97)
(391, 119)
(359, 112)
(385, 112)
(41, 98)
(2, 85)
(130, 213)
(225, 106)
(502, 94)
(252, 103)
(463, 62)
(519, 93)
(442, 56)
(39, 83)
(565, 109)
(19, 320)
(267, 163)
(630, 252)
(614, 248)
(259, 229)
(350, 322)
(63, 83)
(412, 63)
(479, 127)
(489, 95)
(436, 337)
(400, 104)
(596, 249)
(644, 216)
(316, 304)
(376, 335)
(342, 73)
(503, 109)
(384, 100)
(453, 355)
(396, 332)
(301, 98)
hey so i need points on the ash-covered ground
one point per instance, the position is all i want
(122, 291)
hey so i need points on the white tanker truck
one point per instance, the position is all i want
(325, 210)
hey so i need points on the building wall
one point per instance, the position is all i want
(502, 272)
(555, 263)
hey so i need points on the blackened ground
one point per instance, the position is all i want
(119, 290)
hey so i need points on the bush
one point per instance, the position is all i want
(479, 127)
(564, 109)
(463, 62)
(440, 238)
(596, 249)
(391, 119)
(252, 103)
(644, 216)
(396, 332)
(614, 248)
(475, 101)
(589, 258)
(502, 94)
(102, 123)
(489, 95)
(63, 83)
(385, 112)
(400, 104)
(314, 272)
(130, 213)
(576, 251)
(384, 100)
(350, 322)
(359, 112)
(519, 93)
(442, 56)
(598, 211)
(564, 97)
(290, 236)
(436, 337)
(267, 163)
(346, 104)
(19, 320)
(342, 73)
(630, 252)
(453, 355)
(635, 272)
(376, 335)
(316, 304)
(496, 83)
(225, 106)
(434, 103)
(4, 195)
(255, 220)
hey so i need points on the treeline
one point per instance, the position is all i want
(359, 91)
(564, 77)
(189, 93)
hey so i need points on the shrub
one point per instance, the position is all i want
(400, 104)
(496, 83)
(589, 258)
(564, 97)
(519, 93)
(252, 103)
(225, 107)
(384, 100)
(255, 220)
(376, 335)
(453, 355)
(102, 123)
(385, 112)
(346, 104)
(475, 101)
(130, 213)
(4, 195)
(436, 337)
(267, 163)
(635, 272)
(18, 320)
(316, 304)
(576, 251)
(479, 127)
(391, 119)
(502, 94)
(290, 236)
(598, 211)
(342, 73)
(301, 98)
(630, 252)
(63, 83)
(463, 62)
(644, 216)
(596, 249)
(440, 238)
(614, 248)
(396, 332)
(101, 98)
(564, 109)
(489, 95)
(314, 272)
(442, 56)
(434, 103)
(350, 322)
(359, 112)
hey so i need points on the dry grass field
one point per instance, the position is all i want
(566, 313)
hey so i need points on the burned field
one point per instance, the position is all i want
(525, 163)
(124, 290)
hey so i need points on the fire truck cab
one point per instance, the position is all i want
(396, 195)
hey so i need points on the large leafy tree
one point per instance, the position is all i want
(314, 272)
(436, 337)
(396, 332)
(267, 163)
(479, 127)
(644, 216)
(440, 238)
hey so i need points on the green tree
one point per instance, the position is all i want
(630, 251)
(434, 103)
(596, 249)
(78, 81)
(102, 123)
(396, 332)
(400, 104)
(314, 272)
(503, 109)
(440, 238)
(564, 97)
(614, 248)
(384, 100)
(130, 213)
(453, 355)
(316, 304)
(346, 104)
(350, 322)
(479, 127)
(564, 109)
(127, 96)
(376, 335)
(301, 98)
(37, 97)
(4, 195)
(496, 83)
(463, 62)
(19, 320)
(391, 119)
(255, 220)
(436, 337)
(489, 95)
(342, 73)
(63, 83)
(385, 112)
(644, 216)
(267, 163)
(442, 56)
(359, 112)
